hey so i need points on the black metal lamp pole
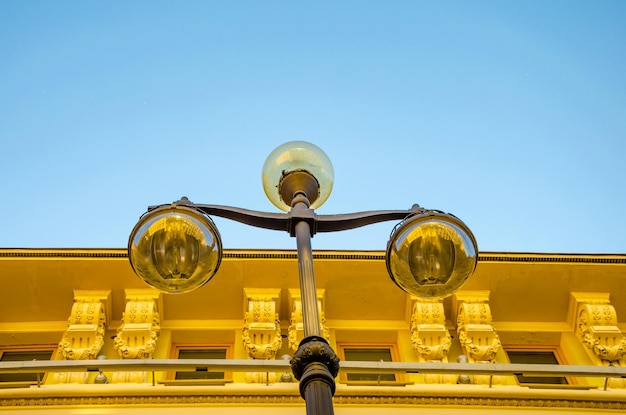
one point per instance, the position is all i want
(315, 364)
(176, 248)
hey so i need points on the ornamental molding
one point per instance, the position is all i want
(380, 399)
(430, 338)
(429, 335)
(595, 324)
(84, 336)
(261, 334)
(344, 255)
(296, 324)
(137, 335)
(477, 335)
(261, 326)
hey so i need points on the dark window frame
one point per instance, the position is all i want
(367, 379)
(200, 376)
(537, 355)
(27, 352)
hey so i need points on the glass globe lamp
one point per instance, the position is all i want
(175, 249)
(297, 167)
(431, 254)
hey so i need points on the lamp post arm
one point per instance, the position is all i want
(332, 223)
(286, 221)
(266, 220)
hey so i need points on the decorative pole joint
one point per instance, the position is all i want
(315, 360)
(299, 212)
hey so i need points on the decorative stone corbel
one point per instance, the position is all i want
(594, 321)
(296, 325)
(84, 335)
(429, 335)
(261, 328)
(431, 340)
(476, 334)
(596, 326)
(137, 335)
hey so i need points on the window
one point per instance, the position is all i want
(201, 354)
(200, 375)
(22, 355)
(369, 353)
(537, 357)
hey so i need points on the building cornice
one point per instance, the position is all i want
(507, 257)
(281, 395)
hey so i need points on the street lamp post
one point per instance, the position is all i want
(176, 248)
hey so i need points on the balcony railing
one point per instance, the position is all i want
(281, 366)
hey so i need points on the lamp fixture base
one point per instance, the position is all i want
(298, 181)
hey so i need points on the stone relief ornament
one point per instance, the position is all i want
(596, 326)
(261, 328)
(261, 334)
(477, 335)
(84, 336)
(597, 329)
(137, 335)
(429, 336)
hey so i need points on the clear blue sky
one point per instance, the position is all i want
(509, 114)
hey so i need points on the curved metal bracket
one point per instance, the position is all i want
(287, 221)
(266, 220)
(332, 223)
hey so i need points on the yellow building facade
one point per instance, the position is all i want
(85, 311)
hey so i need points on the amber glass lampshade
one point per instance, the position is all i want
(431, 254)
(297, 166)
(175, 249)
